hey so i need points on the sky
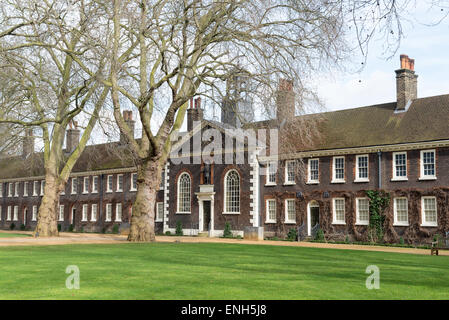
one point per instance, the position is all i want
(376, 83)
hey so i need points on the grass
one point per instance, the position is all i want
(216, 271)
(13, 235)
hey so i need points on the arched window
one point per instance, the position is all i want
(184, 193)
(232, 192)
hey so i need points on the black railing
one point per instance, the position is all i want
(315, 230)
(302, 232)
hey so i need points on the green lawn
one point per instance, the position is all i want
(13, 235)
(216, 271)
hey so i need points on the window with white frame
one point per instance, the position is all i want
(42, 187)
(184, 184)
(313, 174)
(362, 211)
(95, 184)
(120, 183)
(271, 173)
(161, 185)
(93, 213)
(428, 164)
(109, 212)
(1, 190)
(1, 212)
(86, 185)
(8, 214)
(16, 189)
(338, 170)
(16, 213)
(399, 166)
(159, 211)
(290, 172)
(84, 212)
(338, 211)
(133, 182)
(400, 211)
(109, 184)
(232, 192)
(271, 211)
(34, 214)
(290, 211)
(118, 212)
(362, 168)
(74, 185)
(35, 188)
(429, 211)
(10, 187)
(61, 213)
(25, 213)
(25, 189)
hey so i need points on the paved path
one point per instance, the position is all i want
(95, 238)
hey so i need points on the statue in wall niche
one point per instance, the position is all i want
(206, 173)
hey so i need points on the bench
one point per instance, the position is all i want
(440, 244)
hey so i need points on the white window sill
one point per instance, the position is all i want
(183, 213)
(119, 191)
(132, 190)
(432, 225)
(338, 181)
(289, 183)
(399, 179)
(84, 220)
(159, 220)
(362, 224)
(427, 178)
(93, 220)
(270, 184)
(361, 180)
(73, 193)
(118, 220)
(85, 192)
(290, 222)
(339, 223)
(270, 222)
(400, 224)
(34, 220)
(230, 213)
(94, 192)
(312, 182)
(107, 220)
(108, 191)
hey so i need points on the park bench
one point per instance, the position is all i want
(440, 244)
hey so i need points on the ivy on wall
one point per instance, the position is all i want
(378, 202)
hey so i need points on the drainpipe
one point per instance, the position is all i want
(379, 155)
(101, 201)
(260, 196)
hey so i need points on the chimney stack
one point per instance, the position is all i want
(72, 137)
(128, 117)
(285, 100)
(28, 143)
(406, 83)
(194, 113)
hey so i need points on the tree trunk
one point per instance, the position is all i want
(142, 219)
(47, 225)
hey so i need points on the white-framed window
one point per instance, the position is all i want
(42, 187)
(86, 185)
(184, 185)
(1, 190)
(232, 192)
(362, 168)
(34, 214)
(61, 213)
(400, 211)
(1, 212)
(93, 213)
(10, 187)
(16, 213)
(362, 211)
(25, 213)
(429, 212)
(313, 173)
(271, 174)
(338, 170)
(119, 183)
(118, 212)
(428, 170)
(290, 172)
(159, 211)
(63, 191)
(271, 211)
(109, 184)
(35, 188)
(25, 189)
(8, 213)
(290, 211)
(74, 185)
(109, 212)
(399, 166)
(95, 184)
(133, 182)
(338, 209)
(16, 189)
(161, 185)
(84, 212)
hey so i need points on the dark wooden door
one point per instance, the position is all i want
(206, 215)
(315, 216)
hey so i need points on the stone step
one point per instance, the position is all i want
(203, 234)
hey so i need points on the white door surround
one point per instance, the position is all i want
(206, 194)
(310, 205)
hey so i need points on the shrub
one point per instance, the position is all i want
(115, 228)
(347, 239)
(12, 226)
(22, 227)
(292, 234)
(59, 228)
(320, 235)
(227, 233)
(179, 228)
(71, 228)
(401, 241)
(167, 233)
(103, 230)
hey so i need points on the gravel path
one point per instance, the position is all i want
(95, 238)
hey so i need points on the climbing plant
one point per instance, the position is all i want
(378, 202)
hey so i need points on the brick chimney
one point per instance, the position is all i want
(28, 143)
(406, 83)
(194, 113)
(72, 137)
(128, 117)
(285, 100)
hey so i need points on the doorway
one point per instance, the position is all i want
(313, 216)
(206, 215)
